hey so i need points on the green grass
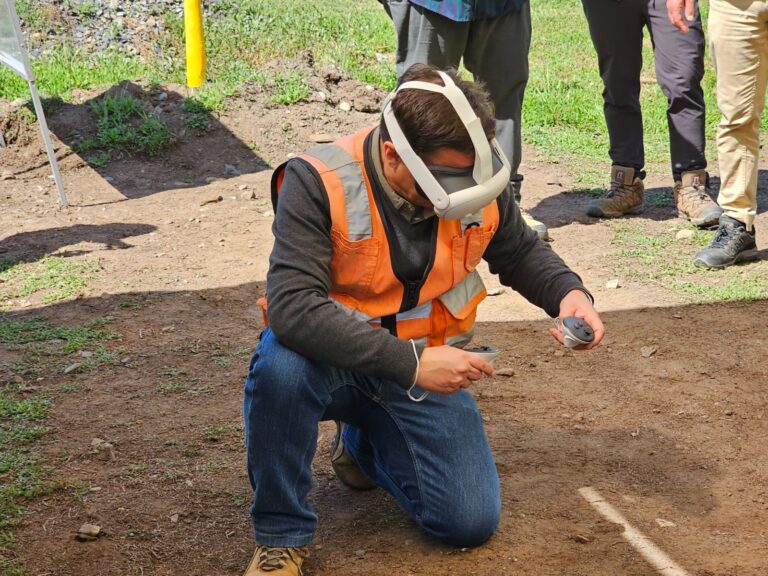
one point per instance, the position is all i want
(289, 88)
(23, 476)
(56, 278)
(123, 126)
(664, 260)
(69, 68)
(68, 339)
(12, 568)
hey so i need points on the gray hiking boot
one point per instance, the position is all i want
(732, 243)
(624, 197)
(693, 200)
(539, 227)
(347, 469)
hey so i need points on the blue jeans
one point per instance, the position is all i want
(432, 456)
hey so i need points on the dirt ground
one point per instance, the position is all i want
(675, 440)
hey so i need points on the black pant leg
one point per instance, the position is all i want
(616, 28)
(679, 62)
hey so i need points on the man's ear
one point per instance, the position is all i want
(391, 157)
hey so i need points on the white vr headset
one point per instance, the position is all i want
(454, 192)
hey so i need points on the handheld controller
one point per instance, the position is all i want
(488, 353)
(575, 331)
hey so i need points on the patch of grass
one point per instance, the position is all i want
(31, 13)
(195, 106)
(289, 88)
(15, 568)
(199, 120)
(70, 339)
(136, 469)
(173, 474)
(732, 285)
(198, 123)
(217, 433)
(224, 359)
(240, 500)
(171, 387)
(130, 304)
(124, 127)
(102, 357)
(668, 261)
(23, 476)
(214, 433)
(69, 388)
(188, 346)
(101, 158)
(191, 453)
(214, 467)
(86, 10)
(56, 277)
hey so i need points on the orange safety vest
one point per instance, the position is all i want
(363, 282)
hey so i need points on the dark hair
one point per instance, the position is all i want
(429, 120)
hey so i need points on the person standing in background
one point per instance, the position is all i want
(738, 36)
(493, 37)
(616, 29)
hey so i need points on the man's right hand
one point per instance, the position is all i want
(675, 13)
(445, 369)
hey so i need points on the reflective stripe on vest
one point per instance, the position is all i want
(357, 204)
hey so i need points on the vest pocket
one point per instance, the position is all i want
(468, 250)
(353, 264)
(477, 242)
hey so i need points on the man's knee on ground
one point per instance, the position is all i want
(466, 528)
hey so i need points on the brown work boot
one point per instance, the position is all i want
(693, 200)
(277, 561)
(624, 197)
(346, 469)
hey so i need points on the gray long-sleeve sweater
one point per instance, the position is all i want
(303, 317)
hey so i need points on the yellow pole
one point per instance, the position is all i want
(195, 42)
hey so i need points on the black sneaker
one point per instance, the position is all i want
(732, 243)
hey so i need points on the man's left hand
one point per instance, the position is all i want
(675, 11)
(577, 303)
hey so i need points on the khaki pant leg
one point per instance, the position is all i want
(738, 35)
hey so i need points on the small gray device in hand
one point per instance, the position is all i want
(488, 353)
(576, 332)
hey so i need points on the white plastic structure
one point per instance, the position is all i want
(14, 55)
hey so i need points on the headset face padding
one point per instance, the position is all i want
(454, 192)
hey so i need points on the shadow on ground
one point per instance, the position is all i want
(31, 246)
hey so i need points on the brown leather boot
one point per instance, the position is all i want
(277, 561)
(693, 200)
(624, 197)
(346, 469)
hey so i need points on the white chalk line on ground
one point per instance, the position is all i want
(645, 547)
